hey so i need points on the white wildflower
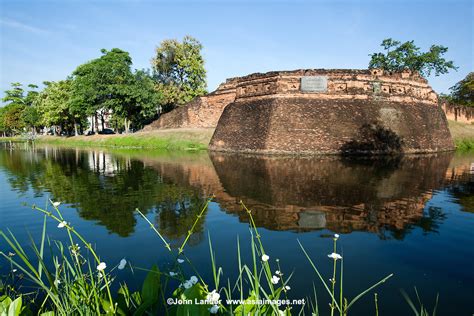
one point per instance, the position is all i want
(56, 204)
(214, 309)
(180, 260)
(187, 284)
(101, 266)
(122, 264)
(335, 256)
(213, 297)
(193, 279)
(57, 282)
(172, 273)
(75, 249)
(287, 288)
(278, 272)
(62, 224)
(265, 258)
(14, 270)
(336, 236)
(275, 279)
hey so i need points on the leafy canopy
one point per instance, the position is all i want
(107, 83)
(19, 110)
(98, 83)
(178, 68)
(53, 103)
(401, 56)
(463, 91)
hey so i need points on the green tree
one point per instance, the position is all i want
(140, 101)
(12, 118)
(13, 110)
(463, 91)
(178, 68)
(16, 95)
(3, 127)
(53, 104)
(97, 84)
(30, 115)
(19, 111)
(107, 84)
(400, 56)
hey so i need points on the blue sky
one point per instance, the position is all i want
(46, 40)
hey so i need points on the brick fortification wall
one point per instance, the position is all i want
(201, 112)
(353, 111)
(458, 113)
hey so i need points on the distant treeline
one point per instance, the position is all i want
(106, 90)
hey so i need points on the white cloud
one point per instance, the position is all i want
(22, 26)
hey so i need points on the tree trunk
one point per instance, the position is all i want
(96, 122)
(75, 128)
(102, 120)
(125, 123)
(54, 130)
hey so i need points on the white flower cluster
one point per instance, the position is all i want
(335, 256)
(101, 266)
(213, 298)
(189, 283)
(122, 264)
(62, 224)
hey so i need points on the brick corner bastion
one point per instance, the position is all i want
(331, 111)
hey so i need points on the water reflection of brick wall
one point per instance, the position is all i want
(305, 194)
(314, 193)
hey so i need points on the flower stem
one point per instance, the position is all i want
(334, 279)
(190, 232)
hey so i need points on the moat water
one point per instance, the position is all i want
(410, 216)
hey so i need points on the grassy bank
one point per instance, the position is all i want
(195, 139)
(463, 135)
(172, 139)
(12, 139)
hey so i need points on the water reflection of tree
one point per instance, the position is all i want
(429, 223)
(103, 188)
(464, 193)
(177, 215)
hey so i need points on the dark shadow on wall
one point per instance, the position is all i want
(373, 139)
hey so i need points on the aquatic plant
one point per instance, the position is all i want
(72, 281)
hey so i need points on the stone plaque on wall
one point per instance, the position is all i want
(314, 84)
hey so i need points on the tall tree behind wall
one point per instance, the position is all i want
(178, 68)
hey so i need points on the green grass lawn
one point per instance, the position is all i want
(172, 139)
(196, 139)
(463, 135)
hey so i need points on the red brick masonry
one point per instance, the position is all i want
(201, 112)
(362, 111)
